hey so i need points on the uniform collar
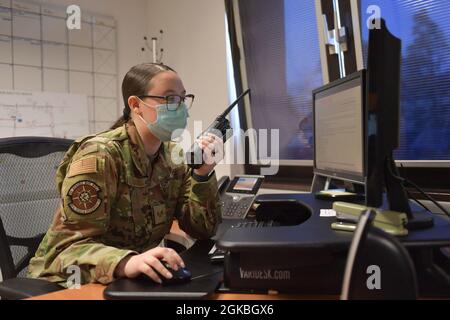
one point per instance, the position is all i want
(140, 158)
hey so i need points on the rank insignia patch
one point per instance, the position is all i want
(159, 214)
(84, 197)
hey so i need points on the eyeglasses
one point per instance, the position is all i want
(173, 101)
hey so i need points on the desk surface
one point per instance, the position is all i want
(95, 292)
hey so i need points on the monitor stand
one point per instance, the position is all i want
(321, 190)
(419, 221)
(396, 196)
(398, 199)
(320, 183)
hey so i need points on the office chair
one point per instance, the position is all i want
(28, 200)
(378, 265)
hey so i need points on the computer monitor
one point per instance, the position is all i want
(357, 125)
(339, 112)
(383, 99)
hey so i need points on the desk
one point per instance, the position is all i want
(95, 292)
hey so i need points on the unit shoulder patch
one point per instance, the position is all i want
(84, 197)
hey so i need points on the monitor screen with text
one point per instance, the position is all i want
(338, 129)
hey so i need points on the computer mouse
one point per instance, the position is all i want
(182, 275)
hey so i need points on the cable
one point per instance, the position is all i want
(403, 181)
(417, 201)
(206, 275)
(428, 197)
(413, 198)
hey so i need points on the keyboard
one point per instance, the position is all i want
(217, 255)
(255, 224)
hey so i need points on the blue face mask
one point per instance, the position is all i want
(167, 122)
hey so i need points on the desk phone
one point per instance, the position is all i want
(238, 195)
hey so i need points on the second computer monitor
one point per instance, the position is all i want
(339, 111)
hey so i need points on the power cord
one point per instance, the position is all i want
(428, 197)
(417, 201)
(410, 196)
(412, 184)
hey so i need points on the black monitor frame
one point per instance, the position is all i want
(354, 177)
(383, 101)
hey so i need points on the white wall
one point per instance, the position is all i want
(193, 42)
(131, 18)
(194, 45)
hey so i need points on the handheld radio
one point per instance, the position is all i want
(220, 127)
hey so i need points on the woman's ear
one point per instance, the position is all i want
(133, 103)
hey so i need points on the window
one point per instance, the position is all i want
(283, 67)
(425, 74)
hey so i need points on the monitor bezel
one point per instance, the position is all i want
(354, 177)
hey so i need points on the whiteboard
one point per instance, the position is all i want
(45, 114)
(39, 53)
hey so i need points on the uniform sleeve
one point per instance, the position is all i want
(198, 206)
(87, 192)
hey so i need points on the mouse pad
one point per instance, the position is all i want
(206, 277)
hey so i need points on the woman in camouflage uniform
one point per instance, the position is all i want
(121, 189)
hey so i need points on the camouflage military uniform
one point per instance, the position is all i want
(117, 201)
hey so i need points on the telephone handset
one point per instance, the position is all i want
(222, 184)
(220, 127)
(237, 195)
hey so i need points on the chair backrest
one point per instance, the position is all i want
(378, 265)
(28, 197)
